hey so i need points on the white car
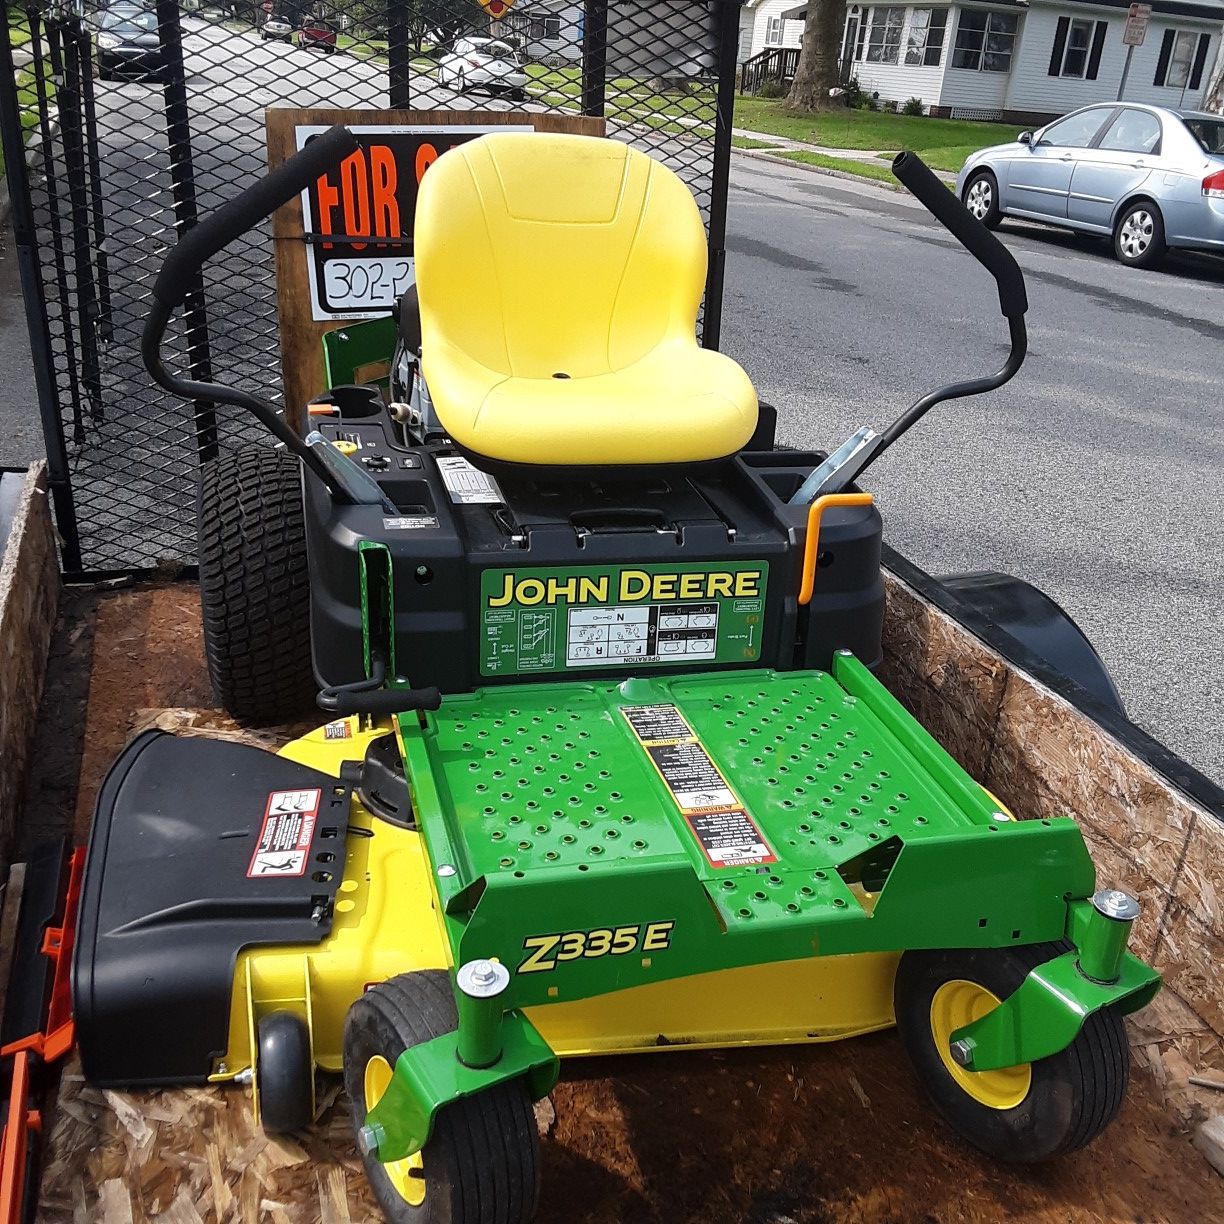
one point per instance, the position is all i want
(276, 28)
(483, 63)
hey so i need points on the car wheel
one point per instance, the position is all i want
(519, 95)
(981, 198)
(1139, 238)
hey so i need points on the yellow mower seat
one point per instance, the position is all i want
(558, 279)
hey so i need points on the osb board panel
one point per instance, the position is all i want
(29, 594)
(1044, 758)
(300, 334)
(950, 681)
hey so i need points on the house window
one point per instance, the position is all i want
(984, 41)
(544, 29)
(773, 32)
(1183, 54)
(924, 44)
(1077, 48)
(884, 35)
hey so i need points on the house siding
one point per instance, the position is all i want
(1032, 88)
(968, 88)
(792, 31)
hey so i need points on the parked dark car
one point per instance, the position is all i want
(128, 42)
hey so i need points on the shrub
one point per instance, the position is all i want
(913, 106)
(774, 89)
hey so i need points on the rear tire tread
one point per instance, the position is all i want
(254, 585)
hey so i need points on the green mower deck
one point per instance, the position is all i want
(755, 816)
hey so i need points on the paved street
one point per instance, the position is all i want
(1097, 474)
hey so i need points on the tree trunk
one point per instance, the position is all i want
(820, 59)
(1215, 95)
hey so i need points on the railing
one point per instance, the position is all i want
(772, 64)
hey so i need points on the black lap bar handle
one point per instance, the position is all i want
(235, 217)
(943, 205)
(179, 273)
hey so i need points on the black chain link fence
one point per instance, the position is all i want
(123, 123)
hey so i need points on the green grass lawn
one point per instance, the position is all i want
(747, 142)
(941, 143)
(860, 169)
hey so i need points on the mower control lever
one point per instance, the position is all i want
(370, 696)
(943, 205)
(856, 455)
(180, 275)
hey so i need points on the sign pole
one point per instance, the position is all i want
(1130, 54)
(1133, 34)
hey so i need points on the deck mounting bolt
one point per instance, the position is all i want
(482, 979)
(367, 1141)
(962, 1053)
(1116, 904)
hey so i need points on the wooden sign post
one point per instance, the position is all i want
(356, 258)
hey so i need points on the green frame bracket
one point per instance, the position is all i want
(1045, 1014)
(431, 1075)
(357, 345)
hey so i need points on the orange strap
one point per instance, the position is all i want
(811, 546)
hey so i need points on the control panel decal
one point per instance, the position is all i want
(545, 620)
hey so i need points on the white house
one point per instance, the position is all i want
(1025, 60)
(762, 26)
(546, 31)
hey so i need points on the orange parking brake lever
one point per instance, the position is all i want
(811, 545)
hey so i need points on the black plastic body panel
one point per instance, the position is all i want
(167, 903)
(720, 514)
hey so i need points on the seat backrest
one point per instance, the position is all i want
(540, 254)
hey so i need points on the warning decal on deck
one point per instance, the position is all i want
(728, 836)
(288, 829)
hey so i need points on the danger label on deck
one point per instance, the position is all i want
(728, 836)
(285, 836)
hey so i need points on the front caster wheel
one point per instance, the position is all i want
(1017, 1114)
(284, 1074)
(481, 1165)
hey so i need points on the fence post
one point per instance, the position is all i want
(25, 238)
(726, 14)
(182, 187)
(595, 57)
(399, 61)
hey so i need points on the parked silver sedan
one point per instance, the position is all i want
(1149, 177)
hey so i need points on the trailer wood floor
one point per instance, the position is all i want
(833, 1133)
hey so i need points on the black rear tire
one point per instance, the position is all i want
(482, 1162)
(1071, 1096)
(254, 585)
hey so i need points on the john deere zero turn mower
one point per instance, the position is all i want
(647, 792)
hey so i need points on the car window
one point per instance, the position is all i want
(1133, 131)
(129, 18)
(1208, 132)
(1075, 131)
(498, 50)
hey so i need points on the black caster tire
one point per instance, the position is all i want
(284, 1072)
(981, 198)
(481, 1165)
(254, 585)
(1018, 1115)
(1139, 235)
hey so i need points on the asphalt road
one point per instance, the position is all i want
(1097, 474)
